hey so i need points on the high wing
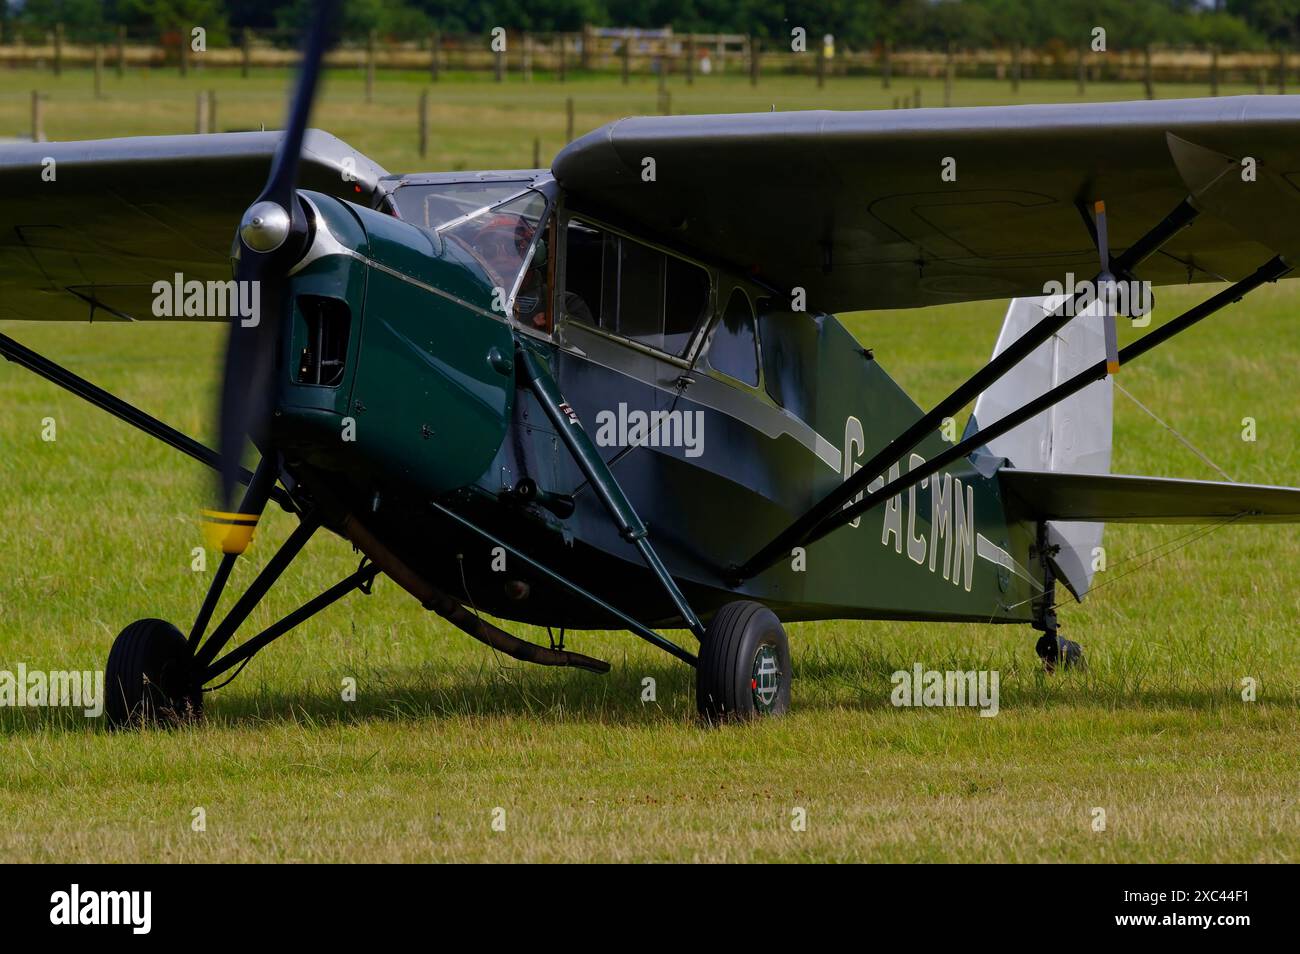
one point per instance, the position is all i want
(87, 228)
(1117, 498)
(853, 206)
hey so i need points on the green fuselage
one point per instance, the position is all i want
(400, 388)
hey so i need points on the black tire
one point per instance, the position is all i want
(1056, 651)
(744, 669)
(148, 677)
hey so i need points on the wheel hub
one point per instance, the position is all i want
(765, 679)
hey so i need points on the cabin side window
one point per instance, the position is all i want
(632, 290)
(732, 348)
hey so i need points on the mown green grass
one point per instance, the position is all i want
(97, 529)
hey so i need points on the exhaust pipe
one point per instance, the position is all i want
(455, 613)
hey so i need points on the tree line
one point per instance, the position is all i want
(857, 24)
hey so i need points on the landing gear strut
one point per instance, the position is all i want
(1052, 649)
(155, 674)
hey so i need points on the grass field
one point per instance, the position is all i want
(97, 529)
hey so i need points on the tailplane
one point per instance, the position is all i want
(1116, 498)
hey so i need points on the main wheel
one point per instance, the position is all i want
(149, 677)
(744, 667)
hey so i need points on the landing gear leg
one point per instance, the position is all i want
(1052, 649)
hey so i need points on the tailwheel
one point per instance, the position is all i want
(744, 665)
(149, 677)
(1055, 651)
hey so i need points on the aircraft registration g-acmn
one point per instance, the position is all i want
(613, 393)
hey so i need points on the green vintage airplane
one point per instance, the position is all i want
(613, 393)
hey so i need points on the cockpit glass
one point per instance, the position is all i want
(433, 205)
(500, 238)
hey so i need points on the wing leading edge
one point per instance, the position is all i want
(87, 228)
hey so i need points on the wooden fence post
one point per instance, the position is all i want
(627, 58)
(949, 69)
(424, 123)
(38, 117)
(370, 67)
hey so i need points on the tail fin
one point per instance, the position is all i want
(1072, 437)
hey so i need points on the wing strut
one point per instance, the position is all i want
(603, 482)
(802, 529)
(40, 365)
(1270, 271)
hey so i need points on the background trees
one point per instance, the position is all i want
(1228, 24)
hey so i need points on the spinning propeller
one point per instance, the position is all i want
(1106, 290)
(273, 236)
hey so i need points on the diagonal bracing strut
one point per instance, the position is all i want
(606, 487)
(42, 366)
(1270, 271)
(801, 530)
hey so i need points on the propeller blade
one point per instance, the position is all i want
(248, 379)
(272, 234)
(1106, 290)
(283, 180)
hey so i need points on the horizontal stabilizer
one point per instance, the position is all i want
(1115, 498)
